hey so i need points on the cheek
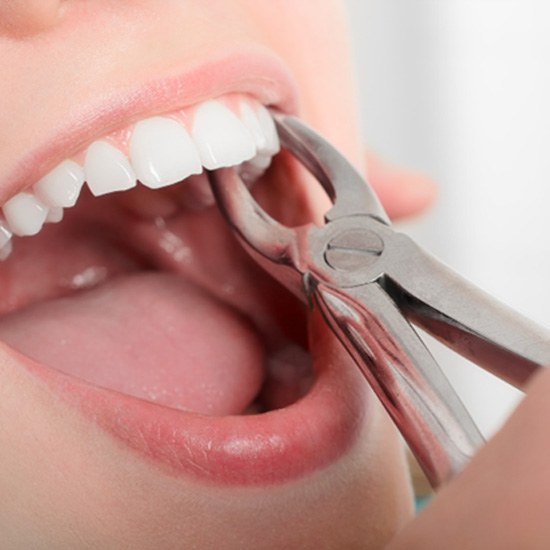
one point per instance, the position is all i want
(315, 44)
(314, 41)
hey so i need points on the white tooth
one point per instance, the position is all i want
(61, 186)
(107, 169)
(5, 251)
(162, 152)
(25, 214)
(250, 120)
(268, 127)
(55, 214)
(221, 138)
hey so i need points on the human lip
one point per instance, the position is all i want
(274, 447)
(260, 74)
(251, 449)
(157, 151)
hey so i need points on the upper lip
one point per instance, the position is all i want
(258, 73)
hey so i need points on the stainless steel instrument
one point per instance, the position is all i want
(370, 283)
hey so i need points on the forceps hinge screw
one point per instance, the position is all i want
(353, 249)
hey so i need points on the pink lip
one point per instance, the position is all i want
(245, 450)
(258, 73)
(263, 449)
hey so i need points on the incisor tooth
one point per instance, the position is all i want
(221, 138)
(162, 152)
(25, 214)
(268, 127)
(107, 169)
(250, 119)
(55, 214)
(61, 187)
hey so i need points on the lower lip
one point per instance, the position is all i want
(253, 450)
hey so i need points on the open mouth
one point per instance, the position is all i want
(141, 309)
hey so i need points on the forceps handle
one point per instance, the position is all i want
(463, 317)
(404, 376)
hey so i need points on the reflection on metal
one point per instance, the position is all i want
(370, 283)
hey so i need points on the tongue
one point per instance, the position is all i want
(153, 336)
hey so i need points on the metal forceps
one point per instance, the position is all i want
(370, 282)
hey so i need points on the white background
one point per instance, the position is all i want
(460, 89)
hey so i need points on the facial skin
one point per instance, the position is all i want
(65, 482)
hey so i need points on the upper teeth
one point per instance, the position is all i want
(161, 150)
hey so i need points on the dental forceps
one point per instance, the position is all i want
(370, 283)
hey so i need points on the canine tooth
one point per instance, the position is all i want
(221, 138)
(55, 214)
(61, 186)
(162, 152)
(25, 214)
(268, 127)
(250, 120)
(107, 169)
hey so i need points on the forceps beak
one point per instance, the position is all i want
(413, 390)
(282, 250)
(267, 239)
(369, 282)
(378, 338)
(338, 177)
(273, 245)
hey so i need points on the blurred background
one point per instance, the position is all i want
(460, 89)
